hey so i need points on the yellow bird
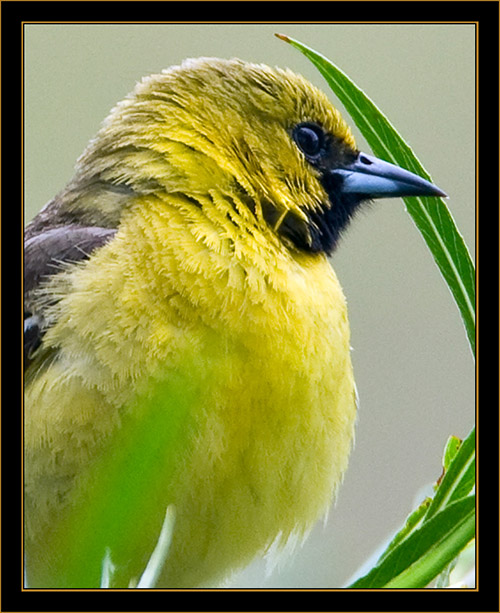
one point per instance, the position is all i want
(186, 339)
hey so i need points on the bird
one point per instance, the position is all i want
(186, 339)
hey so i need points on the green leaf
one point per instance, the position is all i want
(459, 479)
(450, 451)
(427, 551)
(456, 483)
(413, 521)
(430, 215)
(120, 518)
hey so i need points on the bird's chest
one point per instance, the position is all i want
(271, 434)
(276, 399)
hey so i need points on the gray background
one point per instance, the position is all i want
(413, 367)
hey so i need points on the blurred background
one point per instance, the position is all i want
(413, 366)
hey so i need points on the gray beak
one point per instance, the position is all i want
(374, 178)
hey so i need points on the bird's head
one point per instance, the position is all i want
(264, 135)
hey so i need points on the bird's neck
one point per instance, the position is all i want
(209, 251)
(177, 274)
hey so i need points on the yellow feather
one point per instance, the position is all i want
(197, 285)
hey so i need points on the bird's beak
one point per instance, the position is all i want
(374, 178)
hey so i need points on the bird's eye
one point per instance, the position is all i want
(309, 138)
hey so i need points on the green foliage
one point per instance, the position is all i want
(435, 533)
(119, 509)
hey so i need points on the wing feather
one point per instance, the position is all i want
(43, 255)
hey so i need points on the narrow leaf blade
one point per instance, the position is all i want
(459, 479)
(430, 215)
(427, 551)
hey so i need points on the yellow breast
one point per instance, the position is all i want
(259, 343)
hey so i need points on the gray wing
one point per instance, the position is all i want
(43, 255)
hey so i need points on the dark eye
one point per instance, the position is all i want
(309, 138)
